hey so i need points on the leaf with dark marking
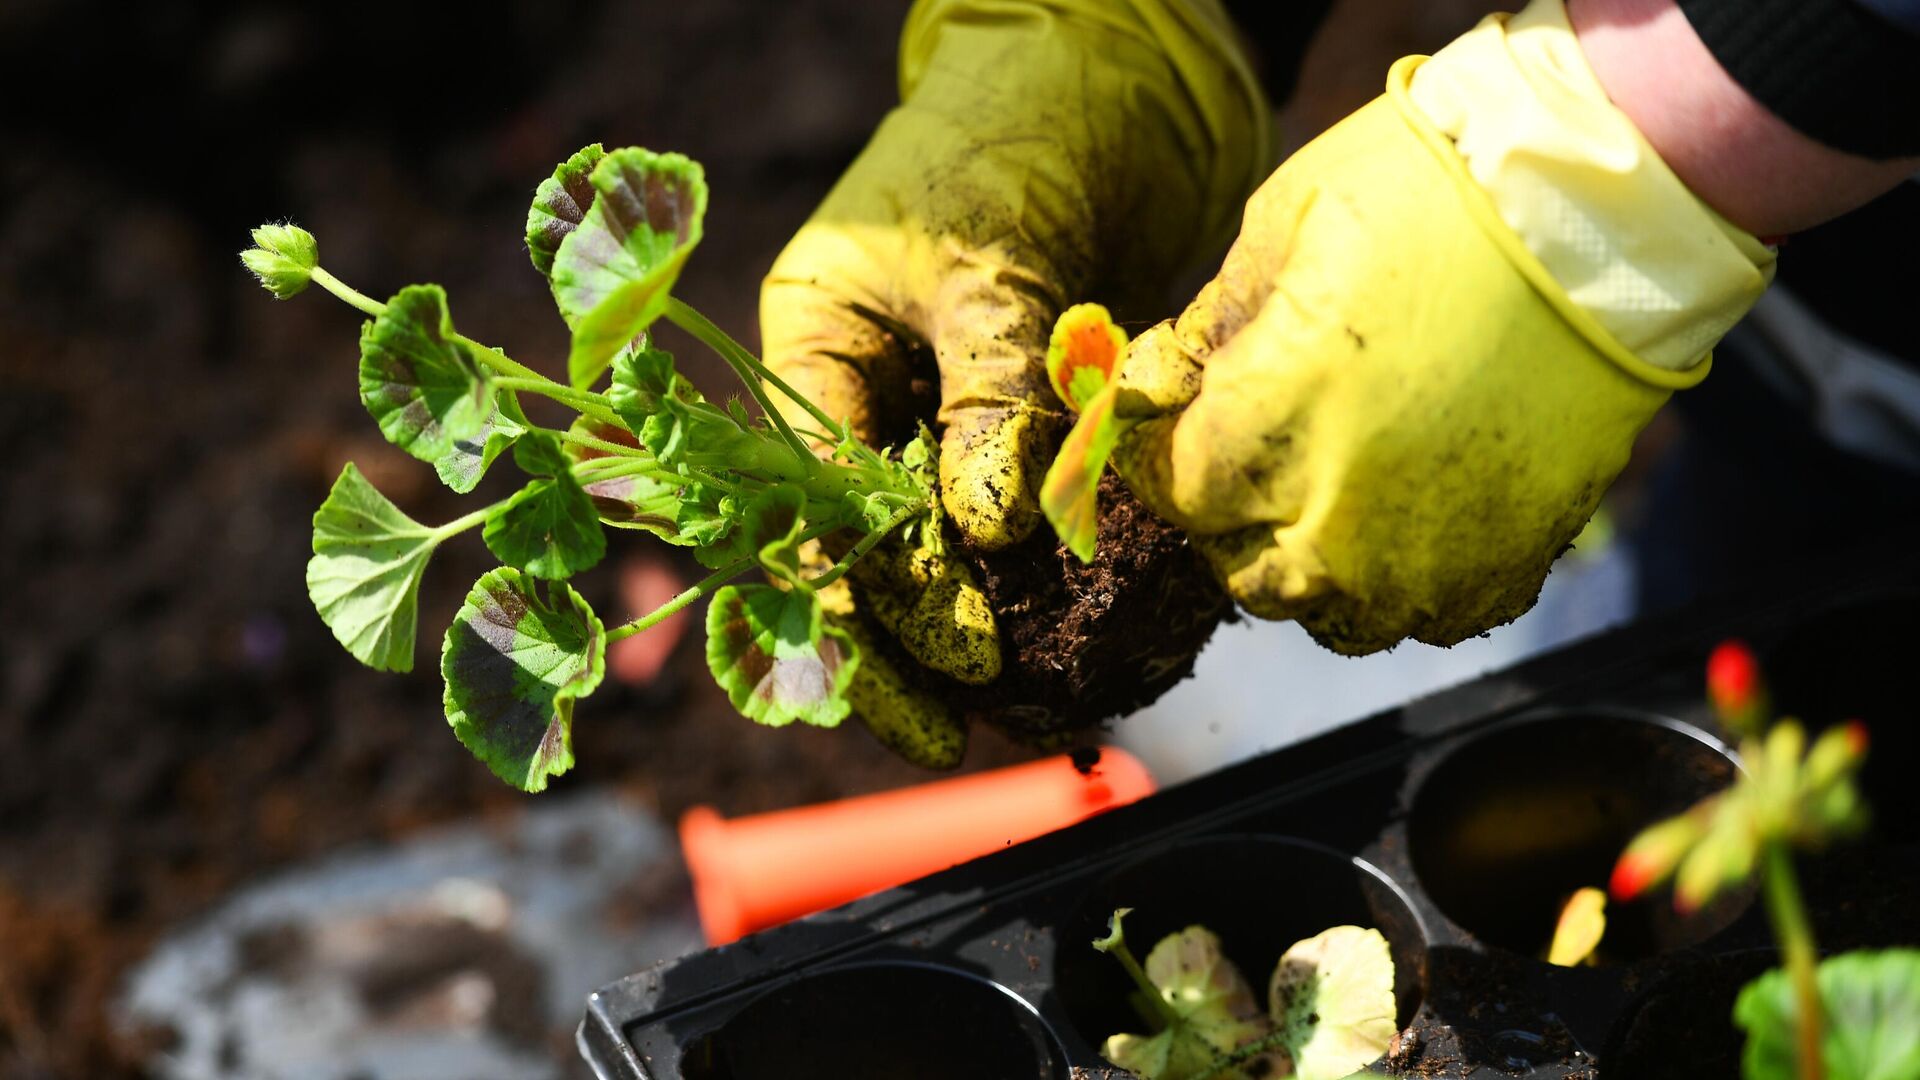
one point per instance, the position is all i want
(778, 660)
(514, 664)
(612, 275)
(559, 205)
(462, 467)
(773, 522)
(426, 390)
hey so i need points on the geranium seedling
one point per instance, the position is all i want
(1855, 1016)
(1083, 364)
(648, 452)
(1330, 1008)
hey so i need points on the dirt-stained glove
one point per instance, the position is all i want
(1042, 148)
(1431, 348)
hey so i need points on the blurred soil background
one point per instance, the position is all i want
(175, 722)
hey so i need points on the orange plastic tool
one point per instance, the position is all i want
(754, 872)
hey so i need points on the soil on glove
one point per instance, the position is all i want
(1086, 642)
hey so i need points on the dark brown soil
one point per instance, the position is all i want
(1077, 646)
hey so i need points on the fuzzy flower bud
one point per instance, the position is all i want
(283, 258)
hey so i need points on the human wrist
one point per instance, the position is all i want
(1739, 158)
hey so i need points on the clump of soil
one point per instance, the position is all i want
(1083, 642)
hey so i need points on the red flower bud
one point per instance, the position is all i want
(1733, 678)
(1856, 737)
(1632, 874)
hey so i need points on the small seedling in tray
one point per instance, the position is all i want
(647, 452)
(1855, 1016)
(1330, 1008)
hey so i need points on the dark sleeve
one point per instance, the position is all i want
(1845, 73)
(1277, 32)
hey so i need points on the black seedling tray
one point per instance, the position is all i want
(1454, 824)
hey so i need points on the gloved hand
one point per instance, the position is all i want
(1042, 149)
(1432, 346)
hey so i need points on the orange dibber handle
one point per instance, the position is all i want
(754, 872)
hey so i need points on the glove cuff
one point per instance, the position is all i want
(1170, 60)
(1586, 194)
(1482, 206)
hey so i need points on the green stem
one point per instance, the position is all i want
(748, 368)
(1795, 934)
(621, 467)
(703, 587)
(719, 341)
(1152, 993)
(466, 521)
(613, 448)
(866, 544)
(1240, 1055)
(501, 362)
(353, 296)
(566, 395)
(593, 405)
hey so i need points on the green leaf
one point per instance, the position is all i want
(612, 275)
(771, 529)
(1214, 1011)
(425, 389)
(1331, 999)
(776, 657)
(1872, 1002)
(559, 205)
(283, 258)
(364, 577)
(514, 664)
(670, 417)
(549, 528)
(462, 467)
(1069, 494)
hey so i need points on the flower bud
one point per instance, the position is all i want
(283, 258)
(1734, 686)
(1652, 856)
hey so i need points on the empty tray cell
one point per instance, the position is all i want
(879, 1022)
(1513, 821)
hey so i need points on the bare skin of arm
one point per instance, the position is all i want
(1740, 159)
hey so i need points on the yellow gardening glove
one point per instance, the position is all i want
(1432, 346)
(1042, 149)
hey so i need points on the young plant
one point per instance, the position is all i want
(647, 453)
(1083, 363)
(1330, 1008)
(1855, 1016)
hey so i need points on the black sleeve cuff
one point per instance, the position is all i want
(1278, 35)
(1832, 69)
